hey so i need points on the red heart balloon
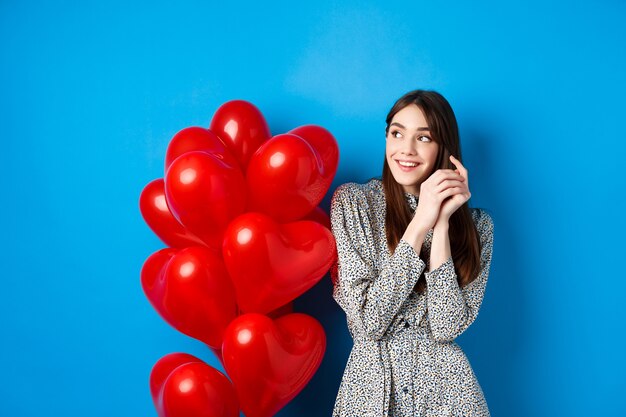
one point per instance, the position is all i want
(281, 311)
(192, 292)
(197, 139)
(162, 369)
(195, 389)
(318, 215)
(156, 213)
(285, 178)
(153, 269)
(204, 194)
(324, 144)
(270, 362)
(271, 264)
(242, 127)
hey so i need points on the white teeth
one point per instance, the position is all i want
(407, 164)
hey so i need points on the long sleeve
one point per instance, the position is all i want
(451, 310)
(370, 294)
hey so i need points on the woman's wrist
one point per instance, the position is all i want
(414, 235)
(442, 224)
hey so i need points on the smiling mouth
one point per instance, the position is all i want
(407, 164)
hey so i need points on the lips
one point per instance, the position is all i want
(407, 167)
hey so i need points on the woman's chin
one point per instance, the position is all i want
(407, 180)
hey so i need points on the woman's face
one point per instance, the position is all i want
(410, 151)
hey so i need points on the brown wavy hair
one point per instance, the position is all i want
(464, 239)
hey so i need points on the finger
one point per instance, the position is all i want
(462, 170)
(458, 164)
(457, 181)
(455, 160)
(450, 183)
(446, 175)
(463, 174)
(450, 192)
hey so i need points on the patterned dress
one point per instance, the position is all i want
(404, 361)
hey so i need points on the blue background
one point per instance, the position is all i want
(91, 93)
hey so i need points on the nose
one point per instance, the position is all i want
(409, 147)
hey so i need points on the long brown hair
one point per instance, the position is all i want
(464, 239)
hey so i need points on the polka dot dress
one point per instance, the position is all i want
(404, 361)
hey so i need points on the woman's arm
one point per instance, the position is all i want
(415, 234)
(371, 295)
(451, 310)
(440, 245)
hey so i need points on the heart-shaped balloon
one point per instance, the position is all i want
(281, 311)
(242, 127)
(324, 144)
(195, 389)
(153, 269)
(271, 264)
(163, 368)
(197, 139)
(204, 193)
(191, 291)
(156, 213)
(318, 215)
(274, 314)
(270, 362)
(285, 178)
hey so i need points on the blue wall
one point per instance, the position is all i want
(90, 95)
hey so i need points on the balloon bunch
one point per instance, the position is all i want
(239, 211)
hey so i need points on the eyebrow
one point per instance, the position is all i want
(419, 128)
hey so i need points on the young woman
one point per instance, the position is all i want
(413, 262)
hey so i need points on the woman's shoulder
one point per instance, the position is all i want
(350, 190)
(358, 199)
(482, 219)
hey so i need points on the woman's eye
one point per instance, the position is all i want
(395, 133)
(424, 137)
